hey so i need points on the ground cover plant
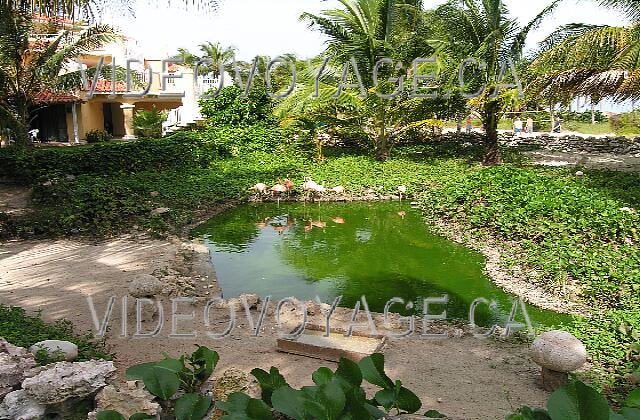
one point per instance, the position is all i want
(24, 330)
(177, 386)
(578, 234)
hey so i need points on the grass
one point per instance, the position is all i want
(23, 330)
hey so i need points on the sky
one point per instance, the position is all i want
(272, 27)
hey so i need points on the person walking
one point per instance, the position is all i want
(517, 126)
(469, 124)
(530, 125)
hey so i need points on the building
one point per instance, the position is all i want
(68, 117)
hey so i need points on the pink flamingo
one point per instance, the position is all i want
(289, 184)
(277, 189)
(259, 189)
(337, 190)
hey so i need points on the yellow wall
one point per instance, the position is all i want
(90, 118)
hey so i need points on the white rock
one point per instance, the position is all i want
(558, 351)
(160, 210)
(17, 405)
(579, 174)
(127, 401)
(144, 286)
(15, 362)
(57, 347)
(62, 381)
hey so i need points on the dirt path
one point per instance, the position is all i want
(465, 377)
(14, 199)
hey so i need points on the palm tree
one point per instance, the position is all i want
(89, 9)
(366, 31)
(483, 30)
(220, 56)
(590, 60)
(28, 68)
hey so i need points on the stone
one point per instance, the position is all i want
(154, 193)
(552, 380)
(160, 210)
(252, 300)
(558, 351)
(64, 380)
(145, 286)
(234, 380)
(126, 401)
(54, 348)
(15, 363)
(579, 174)
(17, 405)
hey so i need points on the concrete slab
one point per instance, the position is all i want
(314, 344)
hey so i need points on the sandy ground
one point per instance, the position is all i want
(466, 378)
(14, 199)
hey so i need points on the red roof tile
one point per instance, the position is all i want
(55, 98)
(105, 86)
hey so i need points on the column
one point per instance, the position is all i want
(127, 110)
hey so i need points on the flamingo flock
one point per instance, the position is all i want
(310, 189)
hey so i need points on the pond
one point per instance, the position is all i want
(376, 250)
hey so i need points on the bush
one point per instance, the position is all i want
(98, 136)
(231, 108)
(177, 384)
(627, 123)
(181, 150)
(23, 330)
(148, 124)
(242, 140)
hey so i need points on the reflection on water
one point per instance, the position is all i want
(379, 250)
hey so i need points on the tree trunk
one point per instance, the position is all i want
(382, 150)
(492, 154)
(593, 113)
(21, 130)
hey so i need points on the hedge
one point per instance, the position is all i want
(181, 150)
(184, 150)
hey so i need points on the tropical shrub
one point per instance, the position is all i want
(579, 236)
(578, 401)
(181, 150)
(148, 124)
(98, 136)
(334, 395)
(230, 107)
(627, 123)
(23, 330)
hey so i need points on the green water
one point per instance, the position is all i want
(376, 250)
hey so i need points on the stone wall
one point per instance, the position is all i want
(574, 143)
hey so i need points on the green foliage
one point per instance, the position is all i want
(148, 124)
(626, 123)
(230, 107)
(584, 117)
(571, 231)
(335, 395)
(24, 330)
(165, 378)
(98, 136)
(181, 150)
(578, 401)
